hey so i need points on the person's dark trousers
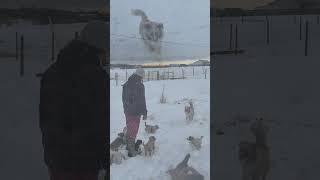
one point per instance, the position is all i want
(62, 175)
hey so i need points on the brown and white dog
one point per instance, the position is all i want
(195, 142)
(189, 111)
(149, 147)
(151, 129)
(151, 32)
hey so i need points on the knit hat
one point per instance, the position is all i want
(96, 34)
(140, 72)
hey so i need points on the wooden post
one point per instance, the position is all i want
(236, 40)
(193, 71)
(22, 56)
(158, 75)
(148, 75)
(205, 74)
(52, 46)
(116, 78)
(17, 47)
(76, 35)
(230, 36)
(126, 73)
(306, 39)
(182, 73)
(300, 29)
(268, 31)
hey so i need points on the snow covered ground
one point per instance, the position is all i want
(276, 80)
(171, 143)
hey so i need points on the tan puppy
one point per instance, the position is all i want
(189, 111)
(116, 157)
(149, 148)
(195, 142)
(151, 129)
(118, 142)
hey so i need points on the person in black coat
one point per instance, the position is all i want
(73, 109)
(134, 106)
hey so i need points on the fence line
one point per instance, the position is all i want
(199, 72)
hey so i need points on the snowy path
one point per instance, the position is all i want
(172, 145)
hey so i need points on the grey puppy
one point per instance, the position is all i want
(151, 129)
(195, 142)
(118, 142)
(149, 147)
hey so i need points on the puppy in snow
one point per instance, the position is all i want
(195, 142)
(138, 145)
(116, 157)
(151, 129)
(150, 146)
(189, 111)
(118, 142)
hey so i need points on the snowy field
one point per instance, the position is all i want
(171, 143)
(276, 80)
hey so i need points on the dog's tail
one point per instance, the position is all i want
(184, 163)
(139, 12)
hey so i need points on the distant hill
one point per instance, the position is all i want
(201, 63)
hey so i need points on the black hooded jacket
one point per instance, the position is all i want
(133, 96)
(73, 110)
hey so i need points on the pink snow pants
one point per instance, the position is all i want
(133, 123)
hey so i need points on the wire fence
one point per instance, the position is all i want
(119, 76)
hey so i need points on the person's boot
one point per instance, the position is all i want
(131, 147)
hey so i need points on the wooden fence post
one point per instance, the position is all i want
(300, 29)
(193, 71)
(306, 39)
(126, 73)
(17, 47)
(268, 31)
(76, 35)
(22, 56)
(116, 77)
(230, 36)
(158, 75)
(236, 40)
(148, 75)
(182, 73)
(205, 74)
(52, 45)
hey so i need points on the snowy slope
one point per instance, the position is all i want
(171, 143)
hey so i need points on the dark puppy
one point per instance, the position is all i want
(137, 146)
